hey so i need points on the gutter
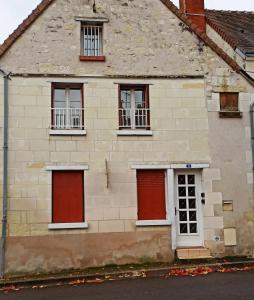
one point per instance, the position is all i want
(5, 171)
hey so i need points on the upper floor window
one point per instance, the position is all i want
(229, 101)
(134, 112)
(229, 105)
(92, 41)
(67, 106)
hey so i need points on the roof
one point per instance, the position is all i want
(169, 4)
(235, 27)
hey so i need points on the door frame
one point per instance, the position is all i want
(198, 239)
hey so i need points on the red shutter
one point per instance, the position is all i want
(151, 195)
(68, 196)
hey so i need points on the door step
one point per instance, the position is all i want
(193, 253)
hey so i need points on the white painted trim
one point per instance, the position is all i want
(67, 132)
(189, 166)
(153, 223)
(134, 132)
(67, 168)
(150, 167)
(171, 204)
(83, 225)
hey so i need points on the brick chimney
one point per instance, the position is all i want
(194, 10)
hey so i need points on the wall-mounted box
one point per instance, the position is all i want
(228, 205)
(230, 237)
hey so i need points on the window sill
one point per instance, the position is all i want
(92, 58)
(126, 132)
(230, 114)
(153, 223)
(67, 132)
(57, 226)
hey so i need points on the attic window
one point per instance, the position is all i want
(92, 41)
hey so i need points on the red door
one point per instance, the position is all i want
(68, 196)
(151, 195)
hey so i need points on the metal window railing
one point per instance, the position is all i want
(134, 118)
(92, 40)
(67, 118)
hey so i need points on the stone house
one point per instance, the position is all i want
(129, 138)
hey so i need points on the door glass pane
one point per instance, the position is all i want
(193, 228)
(182, 204)
(183, 228)
(183, 215)
(192, 203)
(191, 179)
(192, 216)
(182, 191)
(191, 191)
(181, 179)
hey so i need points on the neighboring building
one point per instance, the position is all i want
(233, 31)
(129, 137)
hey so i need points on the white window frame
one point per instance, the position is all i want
(59, 226)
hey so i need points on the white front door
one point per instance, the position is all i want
(188, 209)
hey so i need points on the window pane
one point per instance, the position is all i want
(59, 98)
(126, 98)
(75, 98)
(92, 40)
(139, 99)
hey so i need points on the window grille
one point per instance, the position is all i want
(92, 38)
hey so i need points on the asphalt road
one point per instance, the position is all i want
(228, 286)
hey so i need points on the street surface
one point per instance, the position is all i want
(230, 286)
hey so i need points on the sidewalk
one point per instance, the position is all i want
(99, 275)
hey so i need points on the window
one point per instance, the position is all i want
(92, 42)
(151, 195)
(229, 101)
(68, 196)
(134, 110)
(229, 106)
(67, 106)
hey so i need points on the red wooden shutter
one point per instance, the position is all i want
(151, 195)
(68, 196)
(229, 101)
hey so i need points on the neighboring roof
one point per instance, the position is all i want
(235, 27)
(202, 35)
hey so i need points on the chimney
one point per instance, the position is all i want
(195, 11)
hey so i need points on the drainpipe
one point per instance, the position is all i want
(5, 172)
(252, 134)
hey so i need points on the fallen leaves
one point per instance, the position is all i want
(199, 271)
(9, 288)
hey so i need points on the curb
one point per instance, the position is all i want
(118, 275)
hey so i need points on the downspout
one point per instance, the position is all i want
(5, 171)
(252, 134)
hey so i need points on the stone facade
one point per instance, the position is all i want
(184, 78)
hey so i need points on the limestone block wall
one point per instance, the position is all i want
(230, 149)
(180, 134)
